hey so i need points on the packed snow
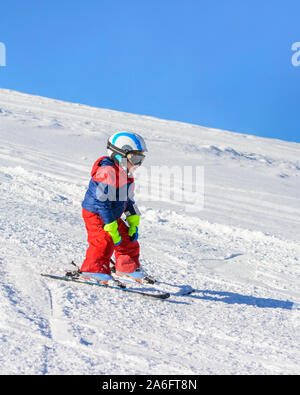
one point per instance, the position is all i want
(235, 241)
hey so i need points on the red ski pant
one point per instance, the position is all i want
(101, 247)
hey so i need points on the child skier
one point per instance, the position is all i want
(109, 196)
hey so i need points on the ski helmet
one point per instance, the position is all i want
(127, 145)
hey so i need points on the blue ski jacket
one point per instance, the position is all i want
(110, 191)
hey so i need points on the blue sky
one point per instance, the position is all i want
(222, 64)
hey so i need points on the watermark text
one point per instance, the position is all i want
(2, 55)
(181, 185)
(296, 56)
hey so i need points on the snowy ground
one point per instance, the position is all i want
(241, 252)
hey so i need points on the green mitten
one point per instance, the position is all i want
(133, 222)
(112, 229)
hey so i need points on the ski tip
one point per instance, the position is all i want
(189, 292)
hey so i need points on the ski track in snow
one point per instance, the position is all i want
(243, 317)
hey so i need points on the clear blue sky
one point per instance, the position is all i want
(218, 63)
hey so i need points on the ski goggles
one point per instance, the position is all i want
(136, 159)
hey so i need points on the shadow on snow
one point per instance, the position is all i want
(235, 298)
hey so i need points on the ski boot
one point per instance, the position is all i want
(102, 278)
(139, 276)
(105, 279)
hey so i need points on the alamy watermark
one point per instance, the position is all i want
(183, 185)
(2, 55)
(296, 56)
(180, 185)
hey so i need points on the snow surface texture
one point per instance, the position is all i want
(241, 252)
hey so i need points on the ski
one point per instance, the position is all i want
(184, 290)
(160, 296)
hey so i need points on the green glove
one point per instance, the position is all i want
(133, 222)
(112, 229)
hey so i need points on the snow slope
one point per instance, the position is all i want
(241, 252)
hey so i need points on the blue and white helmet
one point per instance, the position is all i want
(120, 144)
